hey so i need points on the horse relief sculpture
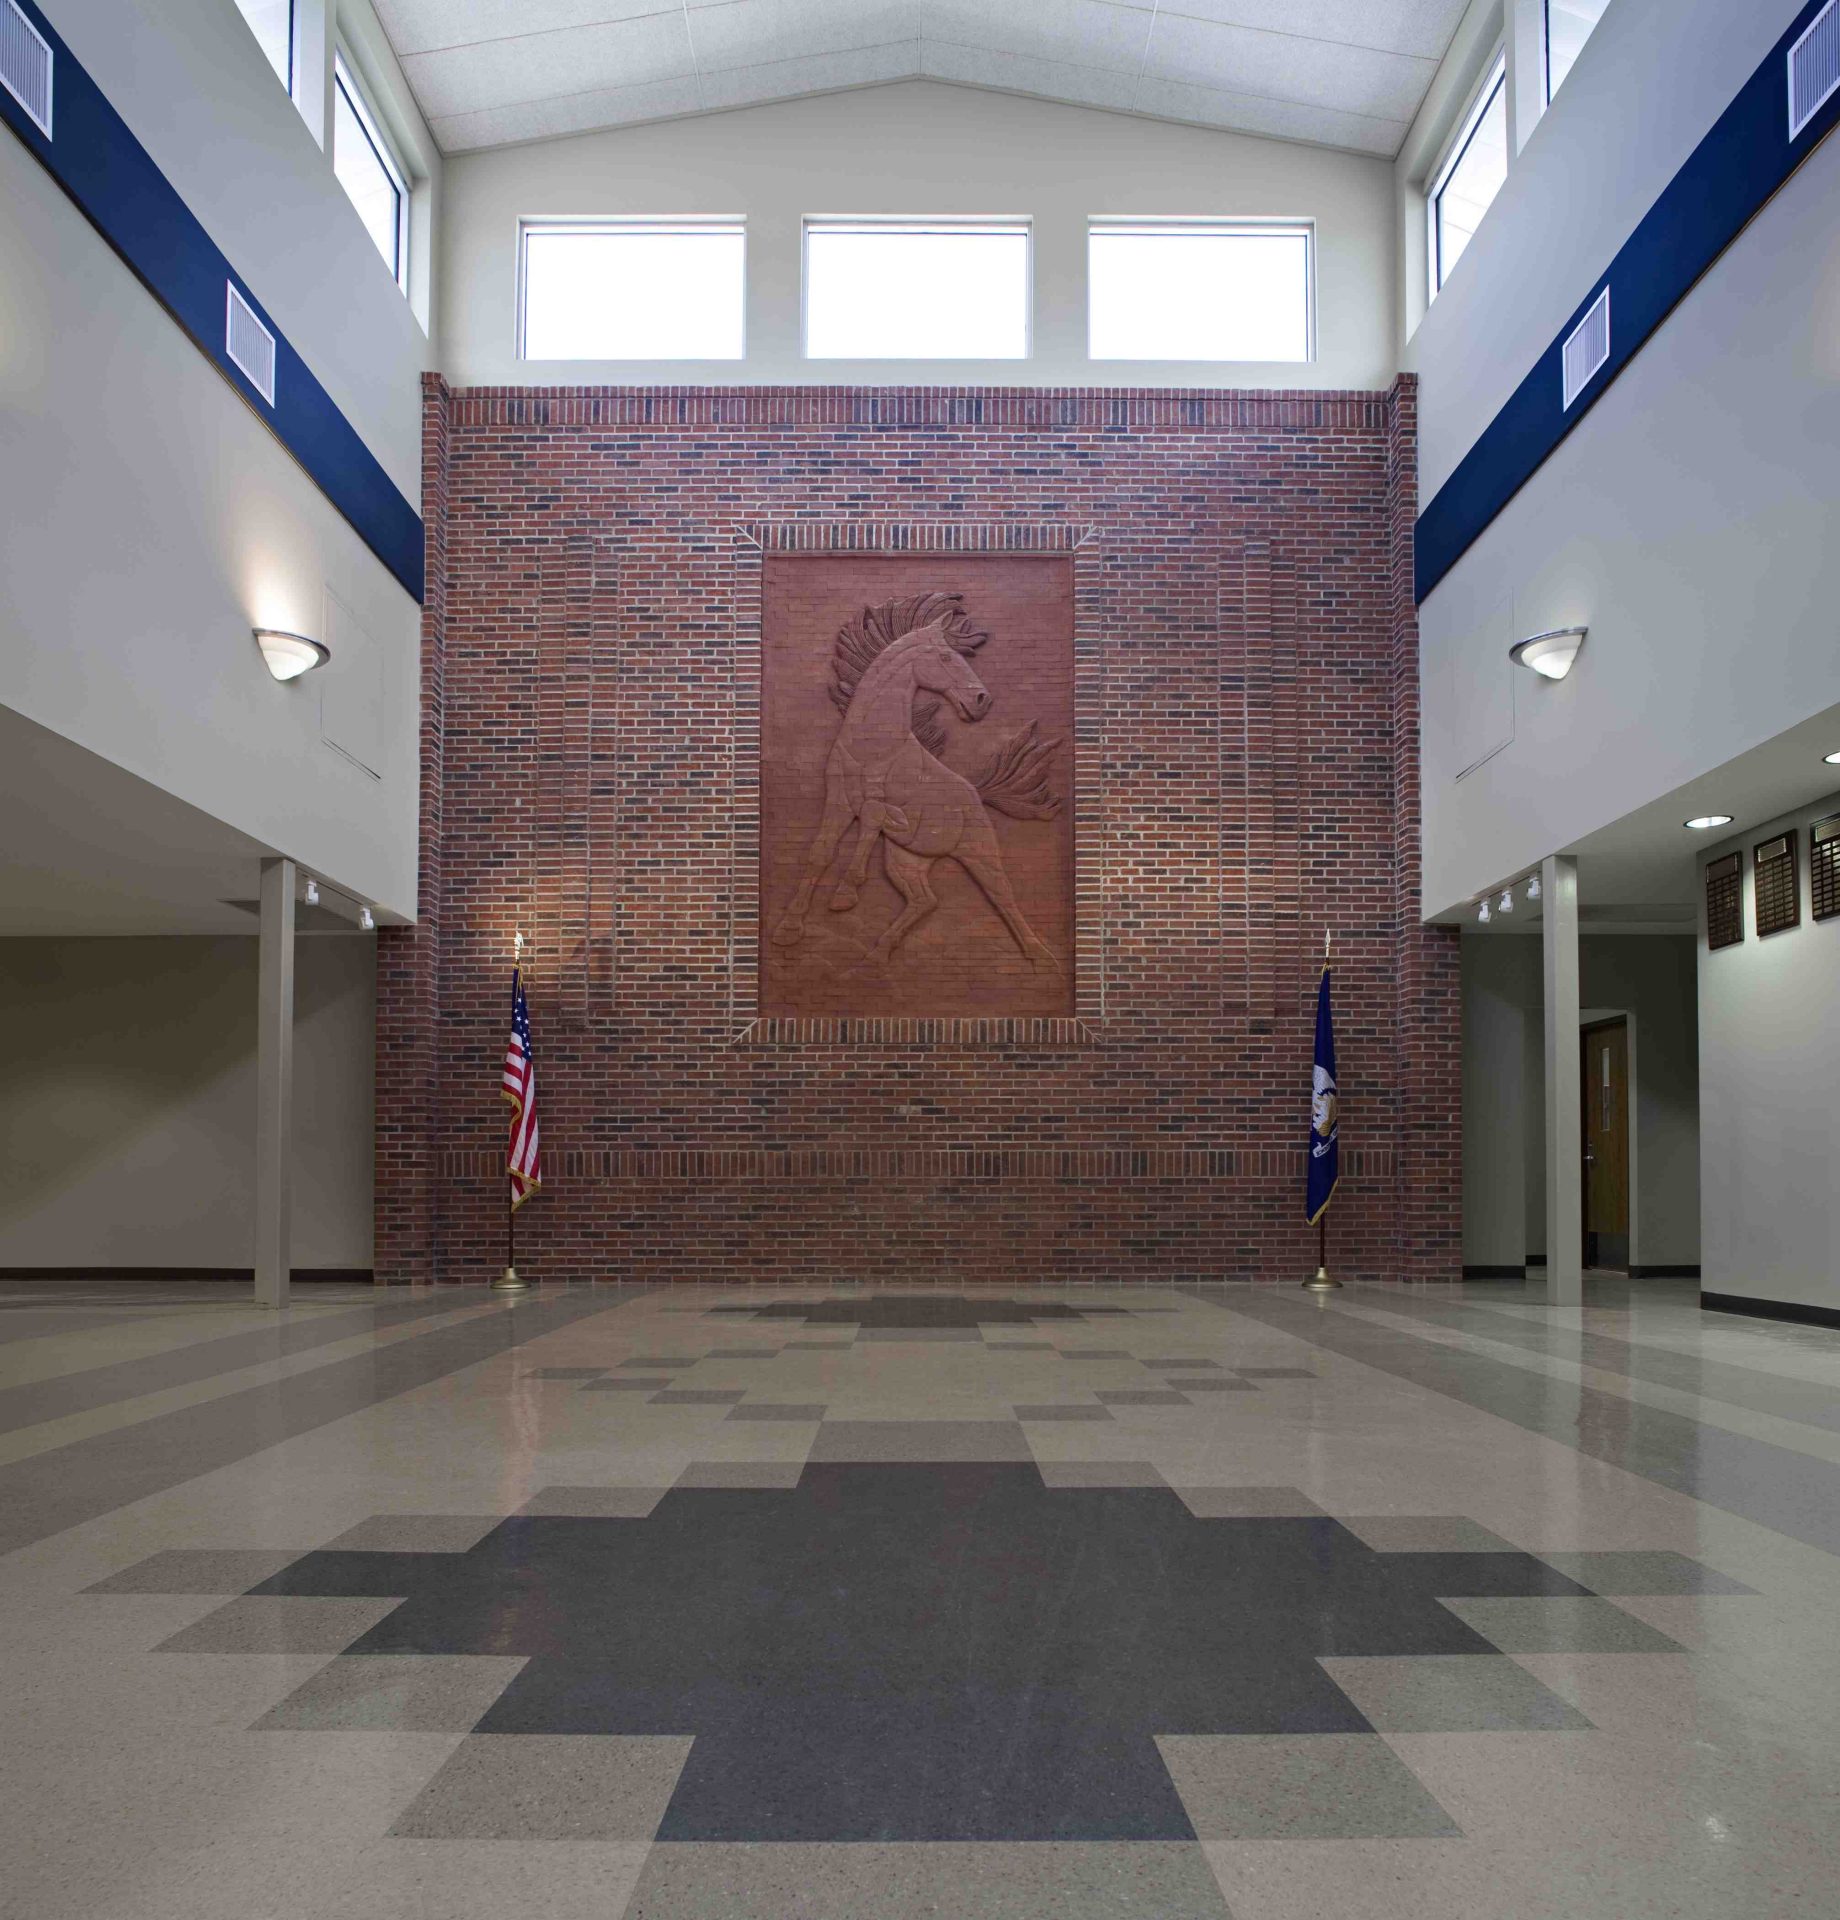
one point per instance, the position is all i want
(895, 671)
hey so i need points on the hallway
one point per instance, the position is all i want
(676, 1603)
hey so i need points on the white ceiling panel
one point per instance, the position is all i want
(1281, 66)
(549, 66)
(1341, 73)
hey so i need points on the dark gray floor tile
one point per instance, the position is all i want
(1247, 1503)
(818, 1346)
(658, 1362)
(742, 1353)
(697, 1397)
(548, 1787)
(628, 1383)
(1276, 1373)
(1425, 1533)
(395, 1693)
(566, 1373)
(1100, 1473)
(1347, 1786)
(1142, 1397)
(1184, 1364)
(779, 1475)
(923, 1335)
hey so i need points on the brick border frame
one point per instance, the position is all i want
(750, 544)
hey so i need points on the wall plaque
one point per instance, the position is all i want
(916, 765)
(1773, 878)
(1824, 867)
(1725, 901)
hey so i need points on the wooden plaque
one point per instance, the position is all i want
(1824, 867)
(1773, 877)
(916, 769)
(1725, 901)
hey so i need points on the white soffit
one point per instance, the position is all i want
(1337, 73)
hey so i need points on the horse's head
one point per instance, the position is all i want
(939, 667)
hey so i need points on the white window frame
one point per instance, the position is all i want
(1494, 80)
(1213, 225)
(347, 79)
(630, 223)
(919, 223)
(293, 45)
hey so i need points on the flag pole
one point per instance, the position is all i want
(508, 1281)
(1324, 1282)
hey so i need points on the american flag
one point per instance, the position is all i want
(523, 1162)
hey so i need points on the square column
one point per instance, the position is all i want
(1564, 1134)
(275, 1086)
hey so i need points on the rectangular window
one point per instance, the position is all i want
(272, 23)
(917, 289)
(642, 289)
(368, 172)
(1198, 290)
(1470, 178)
(1568, 27)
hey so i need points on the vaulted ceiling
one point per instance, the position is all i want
(1340, 73)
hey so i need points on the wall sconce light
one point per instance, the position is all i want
(1482, 912)
(367, 921)
(1705, 822)
(289, 655)
(1550, 655)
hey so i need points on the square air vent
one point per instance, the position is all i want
(25, 65)
(250, 345)
(1588, 345)
(1814, 67)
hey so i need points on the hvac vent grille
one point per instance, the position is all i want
(250, 346)
(1814, 67)
(1588, 345)
(25, 65)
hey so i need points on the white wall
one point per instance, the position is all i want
(126, 1133)
(1648, 978)
(919, 147)
(1769, 1036)
(149, 520)
(1688, 520)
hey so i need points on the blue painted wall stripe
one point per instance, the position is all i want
(1724, 183)
(114, 181)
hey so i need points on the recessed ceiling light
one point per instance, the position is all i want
(1832, 759)
(1702, 822)
(1550, 655)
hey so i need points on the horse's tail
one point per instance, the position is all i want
(1015, 779)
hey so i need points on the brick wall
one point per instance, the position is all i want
(1259, 756)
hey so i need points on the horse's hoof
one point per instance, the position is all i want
(788, 933)
(844, 899)
(1043, 961)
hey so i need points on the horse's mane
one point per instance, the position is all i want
(863, 640)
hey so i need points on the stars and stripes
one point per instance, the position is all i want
(523, 1160)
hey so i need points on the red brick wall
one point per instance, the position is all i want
(1259, 757)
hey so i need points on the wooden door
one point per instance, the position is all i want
(1605, 1078)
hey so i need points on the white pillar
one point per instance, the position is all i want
(1564, 1140)
(275, 1086)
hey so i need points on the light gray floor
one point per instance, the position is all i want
(1663, 1744)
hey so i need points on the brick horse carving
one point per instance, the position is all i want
(885, 773)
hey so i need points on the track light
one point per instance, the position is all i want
(312, 894)
(1550, 655)
(1482, 912)
(1506, 903)
(366, 920)
(1533, 886)
(289, 655)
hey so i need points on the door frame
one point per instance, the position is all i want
(1590, 1020)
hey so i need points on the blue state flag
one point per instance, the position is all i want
(1325, 1148)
